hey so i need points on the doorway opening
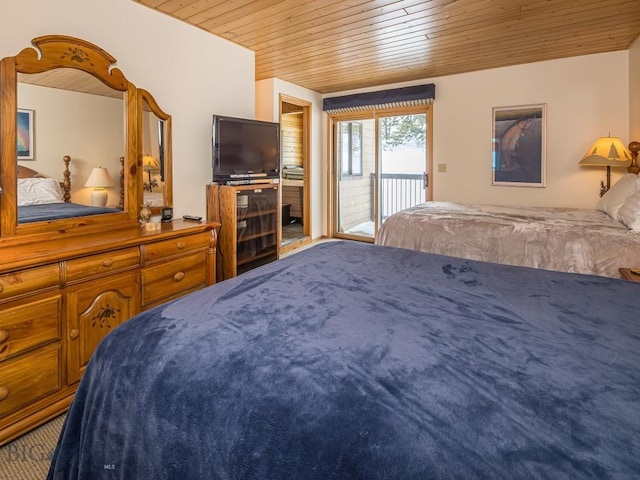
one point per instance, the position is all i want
(295, 126)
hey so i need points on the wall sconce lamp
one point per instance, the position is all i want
(607, 152)
(150, 164)
(99, 179)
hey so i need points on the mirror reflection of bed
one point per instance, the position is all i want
(72, 97)
(43, 198)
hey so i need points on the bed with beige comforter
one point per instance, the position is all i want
(562, 239)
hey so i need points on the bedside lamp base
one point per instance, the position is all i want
(99, 197)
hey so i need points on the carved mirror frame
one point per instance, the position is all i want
(48, 53)
(166, 158)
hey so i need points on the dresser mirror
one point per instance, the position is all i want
(63, 97)
(154, 143)
(93, 134)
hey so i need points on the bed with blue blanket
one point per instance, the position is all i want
(57, 211)
(358, 361)
(42, 198)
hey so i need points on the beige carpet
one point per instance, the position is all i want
(29, 457)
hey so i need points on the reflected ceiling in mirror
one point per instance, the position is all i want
(70, 79)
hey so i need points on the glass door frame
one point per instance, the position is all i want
(334, 173)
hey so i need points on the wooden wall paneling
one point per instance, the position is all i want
(291, 131)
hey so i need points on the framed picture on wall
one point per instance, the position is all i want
(24, 131)
(519, 146)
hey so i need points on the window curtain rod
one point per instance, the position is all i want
(395, 97)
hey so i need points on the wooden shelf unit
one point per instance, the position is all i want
(250, 219)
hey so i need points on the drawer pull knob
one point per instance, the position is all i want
(108, 262)
(4, 393)
(178, 276)
(4, 336)
(74, 333)
(180, 245)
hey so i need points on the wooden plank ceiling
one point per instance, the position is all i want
(70, 79)
(335, 45)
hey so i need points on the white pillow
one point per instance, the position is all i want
(629, 213)
(611, 201)
(35, 191)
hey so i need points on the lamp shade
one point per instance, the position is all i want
(607, 152)
(150, 163)
(99, 177)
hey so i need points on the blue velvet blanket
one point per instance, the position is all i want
(56, 211)
(355, 361)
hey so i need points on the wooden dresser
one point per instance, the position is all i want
(60, 297)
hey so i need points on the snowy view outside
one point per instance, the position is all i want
(404, 159)
(403, 163)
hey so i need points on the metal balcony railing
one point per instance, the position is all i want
(399, 191)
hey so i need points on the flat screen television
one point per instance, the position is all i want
(244, 149)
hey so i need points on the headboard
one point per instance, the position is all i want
(24, 172)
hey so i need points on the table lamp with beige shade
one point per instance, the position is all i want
(99, 179)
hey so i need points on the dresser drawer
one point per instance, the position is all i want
(29, 378)
(170, 278)
(167, 248)
(102, 264)
(29, 325)
(28, 281)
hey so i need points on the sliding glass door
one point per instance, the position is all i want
(403, 160)
(381, 165)
(356, 168)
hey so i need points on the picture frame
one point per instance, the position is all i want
(24, 133)
(518, 156)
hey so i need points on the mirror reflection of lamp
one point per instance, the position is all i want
(607, 152)
(99, 179)
(150, 164)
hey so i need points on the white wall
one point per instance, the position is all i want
(268, 108)
(267, 101)
(191, 73)
(586, 97)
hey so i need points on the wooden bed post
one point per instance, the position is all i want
(66, 182)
